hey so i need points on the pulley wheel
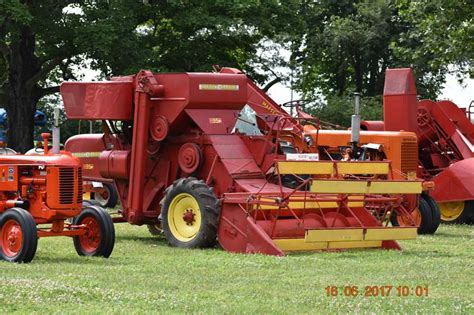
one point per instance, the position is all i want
(159, 128)
(423, 117)
(190, 157)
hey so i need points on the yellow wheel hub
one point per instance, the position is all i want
(184, 217)
(450, 211)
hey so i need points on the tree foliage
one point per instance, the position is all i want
(34, 41)
(339, 109)
(345, 47)
(348, 45)
(43, 42)
(187, 35)
(441, 33)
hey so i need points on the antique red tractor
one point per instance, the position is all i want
(38, 193)
(179, 163)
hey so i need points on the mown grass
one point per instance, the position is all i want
(145, 275)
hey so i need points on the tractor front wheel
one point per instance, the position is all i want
(18, 236)
(457, 212)
(99, 237)
(190, 214)
(435, 213)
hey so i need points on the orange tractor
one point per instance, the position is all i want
(179, 163)
(38, 193)
(399, 146)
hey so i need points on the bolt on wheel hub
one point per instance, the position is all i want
(188, 217)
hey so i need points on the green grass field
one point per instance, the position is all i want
(145, 275)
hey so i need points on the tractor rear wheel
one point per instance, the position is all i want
(435, 213)
(99, 238)
(190, 214)
(18, 236)
(457, 212)
(421, 215)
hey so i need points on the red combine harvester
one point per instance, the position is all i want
(171, 147)
(37, 194)
(445, 142)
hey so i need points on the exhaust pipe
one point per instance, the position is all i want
(56, 132)
(355, 126)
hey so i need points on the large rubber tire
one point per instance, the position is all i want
(466, 216)
(155, 229)
(425, 214)
(435, 213)
(99, 240)
(18, 236)
(112, 196)
(193, 199)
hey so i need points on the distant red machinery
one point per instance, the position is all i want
(96, 188)
(171, 147)
(37, 194)
(445, 142)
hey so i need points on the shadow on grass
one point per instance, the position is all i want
(449, 235)
(432, 254)
(142, 239)
(78, 260)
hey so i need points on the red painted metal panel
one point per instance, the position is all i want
(235, 155)
(214, 121)
(458, 117)
(87, 147)
(184, 91)
(372, 125)
(456, 182)
(98, 100)
(400, 103)
(261, 185)
(115, 164)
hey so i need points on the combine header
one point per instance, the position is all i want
(171, 146)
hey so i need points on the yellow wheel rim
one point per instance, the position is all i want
(450, 211)
(184, 217)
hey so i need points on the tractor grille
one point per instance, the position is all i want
(79, 183)
(409, 155)
(66, 185)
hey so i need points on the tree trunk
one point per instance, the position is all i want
(22, 92)
(21, 110)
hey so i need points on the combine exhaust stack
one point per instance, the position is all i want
(180, 162)
(355, 126)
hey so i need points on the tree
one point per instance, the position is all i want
(195, 35)
(42, 42)
(39, 46)
(348, 45)
(339, 109)
(441, 34)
